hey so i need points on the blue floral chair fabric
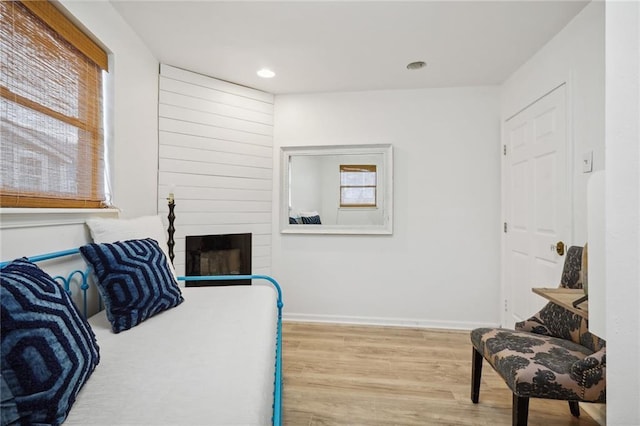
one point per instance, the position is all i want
(551, 355)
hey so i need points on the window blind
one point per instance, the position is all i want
(358, 185)
(52, 152)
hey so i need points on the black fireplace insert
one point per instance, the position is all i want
(227, 254)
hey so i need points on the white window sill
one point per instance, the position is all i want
(357, 208)
(34, 217)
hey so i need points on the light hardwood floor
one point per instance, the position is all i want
(362, 375)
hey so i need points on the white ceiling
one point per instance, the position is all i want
(326, 46)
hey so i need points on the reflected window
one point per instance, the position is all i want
(358, 185)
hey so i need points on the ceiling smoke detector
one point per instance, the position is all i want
(416, 65)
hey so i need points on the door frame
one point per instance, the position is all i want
(505, 304)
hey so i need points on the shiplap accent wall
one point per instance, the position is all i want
(216, 156)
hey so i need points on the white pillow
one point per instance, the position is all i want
(309, 214)
(112, 230)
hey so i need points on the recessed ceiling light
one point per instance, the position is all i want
(266, 73)
(416, 65)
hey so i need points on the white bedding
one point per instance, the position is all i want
(209, 361)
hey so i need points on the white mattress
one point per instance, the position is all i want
(209, 361)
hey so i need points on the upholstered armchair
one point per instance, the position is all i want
(551, 355)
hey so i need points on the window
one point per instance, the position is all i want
(50, 110)
(358, 184)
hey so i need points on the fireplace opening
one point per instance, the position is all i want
(227, 254)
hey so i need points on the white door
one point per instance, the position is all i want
(537, 203)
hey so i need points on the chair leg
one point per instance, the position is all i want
(476, 373)
(575, 408)
(520, 410)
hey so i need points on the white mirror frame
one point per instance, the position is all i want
(387, 154)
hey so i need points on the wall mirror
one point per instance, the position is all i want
(336, 189)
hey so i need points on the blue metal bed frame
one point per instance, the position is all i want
(84, 287)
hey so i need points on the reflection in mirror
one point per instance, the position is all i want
(337, 189)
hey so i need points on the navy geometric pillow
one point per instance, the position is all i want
(48, 350)
(134, 280)
(8, 407)
(311, 220)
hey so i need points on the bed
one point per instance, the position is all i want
(213, 358)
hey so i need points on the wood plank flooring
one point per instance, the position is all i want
(362, 375)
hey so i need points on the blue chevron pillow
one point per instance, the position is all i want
(311, 220)
(48, 350)
(134, 280)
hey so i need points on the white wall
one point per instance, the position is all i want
(574, 56)
(134, 107)
(622, 212)
(440, 266)
(216, 152)
(134, 139)
(306, 185)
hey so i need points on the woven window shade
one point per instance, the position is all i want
(50, 110)
(358, 185)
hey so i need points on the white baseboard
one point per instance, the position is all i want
(380, 321)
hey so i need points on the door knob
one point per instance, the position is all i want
(560, 248)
